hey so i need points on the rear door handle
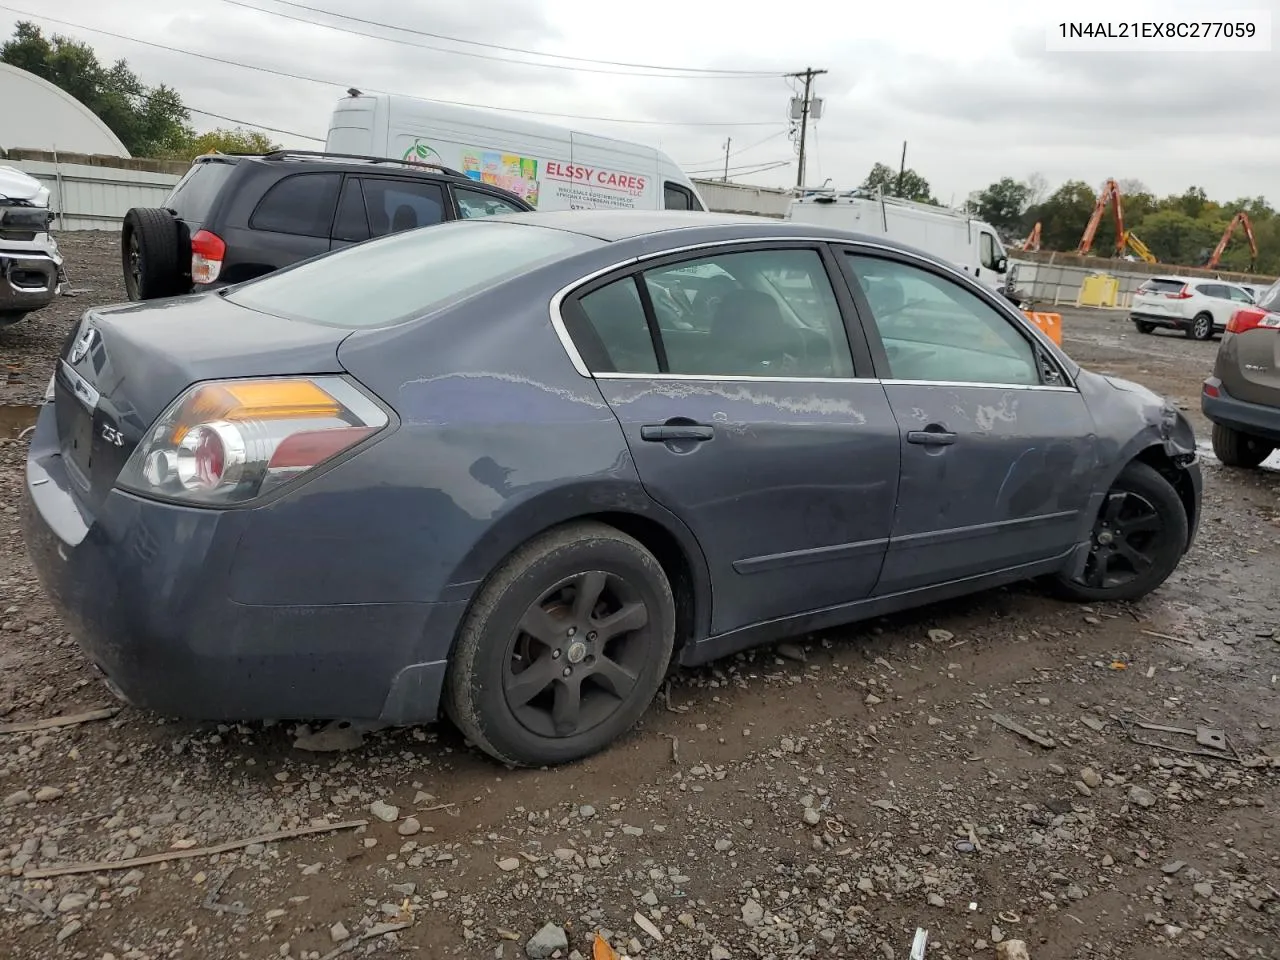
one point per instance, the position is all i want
(937, 437)
(666, 432)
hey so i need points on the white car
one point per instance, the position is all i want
(1198, 307)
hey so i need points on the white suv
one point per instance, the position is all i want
(1200, 308)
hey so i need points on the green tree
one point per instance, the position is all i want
(148, 120)
(1175, 237)
(910, 186)
(223, 140)
(1002, 204)
(1063, 216)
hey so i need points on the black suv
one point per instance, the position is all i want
(232, 217)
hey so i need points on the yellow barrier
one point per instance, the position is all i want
(1099, 290)
(1050, 323)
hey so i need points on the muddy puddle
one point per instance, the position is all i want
(15, 418)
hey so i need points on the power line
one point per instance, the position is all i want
(507, 49)
(690, 75)
(739, 151)
(256, 126)
(746, 169)
(334, 83)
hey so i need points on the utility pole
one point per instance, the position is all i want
(727, 144)
(902, 168)
(806, 105)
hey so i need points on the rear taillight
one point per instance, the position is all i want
(228, 442)
(1252, 318)
(207, 253)
(1210, 389)
(1183, 294)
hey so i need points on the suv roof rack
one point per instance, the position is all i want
(322, 155)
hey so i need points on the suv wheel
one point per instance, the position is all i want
(1201, 327)
(1236, 449)
(151, 254)
(1144, 326)
(564, 647)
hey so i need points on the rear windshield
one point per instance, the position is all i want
(1156, 285)
(1270, 299)
(193, 197)
(407, 275)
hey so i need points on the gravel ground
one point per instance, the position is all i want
(822, 798)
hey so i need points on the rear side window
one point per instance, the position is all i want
(616, 338)
(415, 272)
(1211, 290)
(475, 203)
(351, 224)
(301, 205)
(396, 205)
(193, 197)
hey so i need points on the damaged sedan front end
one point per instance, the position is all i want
(31, 272)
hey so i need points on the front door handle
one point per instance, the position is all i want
(666, 432)
(933, 435)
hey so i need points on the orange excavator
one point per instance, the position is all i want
(1032, 243)
(1241, 219)
(1110, 194)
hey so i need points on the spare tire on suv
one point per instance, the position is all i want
(151, 252)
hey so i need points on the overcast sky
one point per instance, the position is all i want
(972, 89)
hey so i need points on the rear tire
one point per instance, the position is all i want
(563, 648)
(1139, 538)
(1236, 449)
(1201, 327)
(1143, 326)
(152, 254)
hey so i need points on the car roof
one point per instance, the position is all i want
(381, 164)
(1174, 278)
(617, 225)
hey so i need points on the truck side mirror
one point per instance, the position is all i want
(1002, 265)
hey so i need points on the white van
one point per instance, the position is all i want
(551, 167)
(949, 235)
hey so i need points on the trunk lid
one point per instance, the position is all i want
(1248, 365)
(122, 366)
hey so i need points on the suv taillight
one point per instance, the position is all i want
(1252, 318)
(207, 252)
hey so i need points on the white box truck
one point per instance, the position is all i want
(553, 168)
(950, 235)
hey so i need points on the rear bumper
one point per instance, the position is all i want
(1255, 419)
(1160, 320)
(143, 586)
(28, 281)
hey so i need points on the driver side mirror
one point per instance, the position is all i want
(1002, 265)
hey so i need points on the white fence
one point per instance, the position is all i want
(1062, 283)
(95, 197)
(724, 197)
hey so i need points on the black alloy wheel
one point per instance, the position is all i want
(563, 647)
(577, 655)
(1138, 539)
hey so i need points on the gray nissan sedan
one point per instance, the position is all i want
(516, 467)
